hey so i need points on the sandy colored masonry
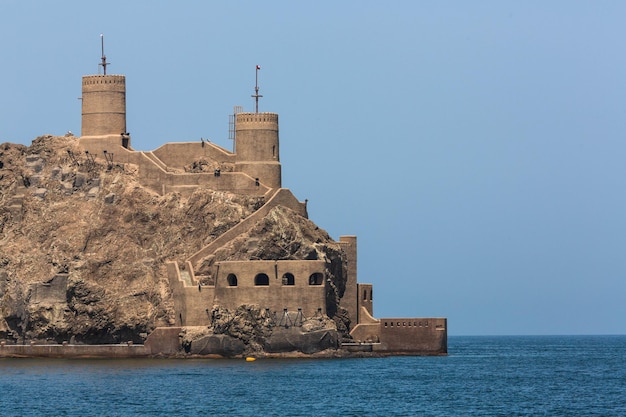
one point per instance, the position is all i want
(253, 168)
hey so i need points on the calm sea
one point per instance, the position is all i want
(482, 376)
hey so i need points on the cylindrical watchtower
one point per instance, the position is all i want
(256, 147)
(104, 105)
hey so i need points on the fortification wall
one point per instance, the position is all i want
(163, 340)
(100, 143)
(236, 182)
(268, 173)
(178, 155)
(272, 284)
(368, 329)
(349, 301)
(365, 299)
(414, 335)
(192, 302)
(73, 351)
(103, 105)
(154, 176)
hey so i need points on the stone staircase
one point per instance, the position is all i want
(185, 276)
(278, 197)
(152, 157)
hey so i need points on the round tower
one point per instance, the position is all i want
(104, 105)
(256, 147)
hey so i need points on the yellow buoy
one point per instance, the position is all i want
(250, 359)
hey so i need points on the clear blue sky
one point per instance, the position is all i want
(476, 148)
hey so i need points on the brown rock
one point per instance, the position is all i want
(113, 249)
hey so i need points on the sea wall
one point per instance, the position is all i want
(419, 335)
(126, 350)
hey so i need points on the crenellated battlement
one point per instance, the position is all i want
(108, 80)
(249, 120)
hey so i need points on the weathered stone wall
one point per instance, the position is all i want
(191, 301)
(350, 296)
(416, 335)
(178, 155)
(256, 163)
(272, 284)
(154, 176)
(73, 351)
(368, 328)
(365, 299)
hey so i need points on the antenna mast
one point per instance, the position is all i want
(104, 58)
(256, 90)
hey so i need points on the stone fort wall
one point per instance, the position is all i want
(274, 285)
(414, 334)
(253, 168)
(180, 154)
(162, 178)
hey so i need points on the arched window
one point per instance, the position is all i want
(316, 278)
(262, 279)
(288, 279)
(231, 279)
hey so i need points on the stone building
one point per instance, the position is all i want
(252, 169)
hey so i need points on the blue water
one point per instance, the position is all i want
(482, 376)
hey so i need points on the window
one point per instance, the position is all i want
(316, 278)
(262, 280)
(288, 279)
(231, 279)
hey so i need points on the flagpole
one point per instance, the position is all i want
(104, 58)
(256, 90)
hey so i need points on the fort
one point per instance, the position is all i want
(306, 302)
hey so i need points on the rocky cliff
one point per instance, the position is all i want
(83, 245)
